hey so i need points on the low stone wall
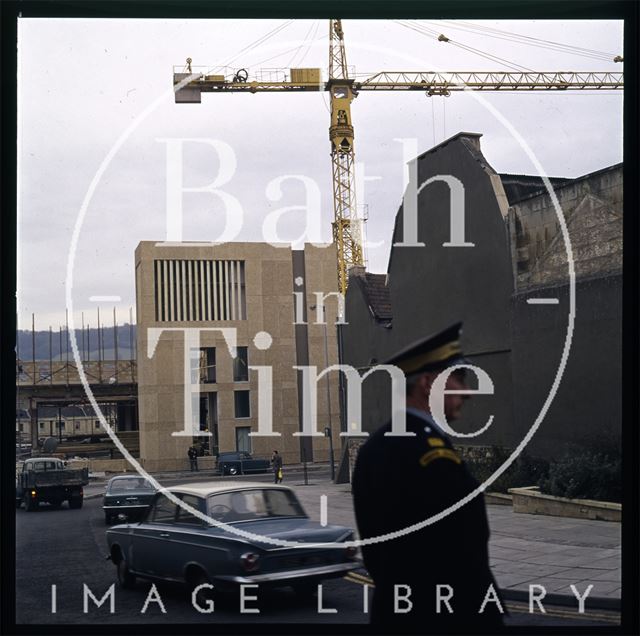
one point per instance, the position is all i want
(532, 501)
(109, 466)
(498, 499)
(205, 463)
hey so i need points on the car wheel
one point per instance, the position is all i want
(233, 470)
(30, 503)
(125, 578)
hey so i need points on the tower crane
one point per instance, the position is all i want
(347, 227)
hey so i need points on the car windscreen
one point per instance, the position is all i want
(130, 483)
(252, 504)
(38, 466)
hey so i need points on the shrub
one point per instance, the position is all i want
(591, 472)
(585, 474)
(525, 470)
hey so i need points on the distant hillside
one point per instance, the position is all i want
(88, 347)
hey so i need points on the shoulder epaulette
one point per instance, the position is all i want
(439, 453)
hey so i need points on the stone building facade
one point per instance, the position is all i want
(269, 297)
(518, 255)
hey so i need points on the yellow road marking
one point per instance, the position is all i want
(359, 578)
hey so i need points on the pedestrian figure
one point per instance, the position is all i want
(400, 481)
(193, 458)
(276, 461)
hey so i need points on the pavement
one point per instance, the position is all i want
(525, 549)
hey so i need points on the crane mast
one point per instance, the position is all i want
(347, 227)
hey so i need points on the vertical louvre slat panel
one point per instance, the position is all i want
(202, 314)
(239, 288)
(200, 305)
(175, 276)
(226, 291)
(166, 291)
(183, 291)
(194, 290)
(232, 289)
(155, 288)
(214, 267)
(199, 290)
(243, 299)
(221, 290)
(189, 290)
(209, 288)
(170, 312)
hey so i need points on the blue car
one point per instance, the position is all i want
(127, 494)
(172, 544)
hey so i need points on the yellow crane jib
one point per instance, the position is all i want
(190, 82)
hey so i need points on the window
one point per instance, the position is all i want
(209, 412)
(125, 484)
(241, 365)
(243, 441)
(164, 511)
(282, 503)
(242, 408)
(207, 365)
(184, 516)
(97, 423)
(247, 505)
(41, 426)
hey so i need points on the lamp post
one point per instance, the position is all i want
(328, 431)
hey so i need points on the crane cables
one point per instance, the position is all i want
(428, 32)
(307, 38)
(530, 41)
(252, 45)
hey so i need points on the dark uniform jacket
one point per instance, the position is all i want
(401, 481)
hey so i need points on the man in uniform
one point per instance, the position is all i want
(436, 578)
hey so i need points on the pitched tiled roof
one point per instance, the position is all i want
(376, 292)
(51, 412)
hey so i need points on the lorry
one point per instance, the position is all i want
(48, 479)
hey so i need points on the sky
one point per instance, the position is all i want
(96, 108)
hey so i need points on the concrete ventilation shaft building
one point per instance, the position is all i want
(252, 289)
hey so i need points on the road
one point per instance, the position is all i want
(67, 548)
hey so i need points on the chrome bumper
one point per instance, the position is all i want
(322, 571)
(124, 506)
